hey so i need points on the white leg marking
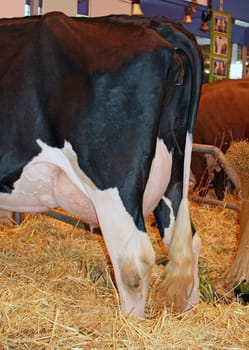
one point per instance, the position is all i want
(169, 230)
(130, 250)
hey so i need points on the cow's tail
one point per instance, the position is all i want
(181, 277)
(196, 67)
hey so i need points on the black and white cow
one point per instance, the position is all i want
(97, 117)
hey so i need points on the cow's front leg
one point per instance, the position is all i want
(132, 272)
(130, 250)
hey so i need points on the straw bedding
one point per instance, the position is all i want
(57, 291)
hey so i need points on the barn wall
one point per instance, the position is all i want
(175, 9)
(12, 8)
(238, 8)
(98, 8)
(247, 36)
(69, 7)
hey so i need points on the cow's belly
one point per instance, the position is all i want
(52, 179)
(74, 201)
(159, 178)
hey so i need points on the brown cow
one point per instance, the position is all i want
(223, 116)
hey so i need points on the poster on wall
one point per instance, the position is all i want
(220, 45)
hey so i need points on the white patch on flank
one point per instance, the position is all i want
(159, 178)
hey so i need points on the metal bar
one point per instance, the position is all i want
(67, 219)
(17, 218)
(216, 202)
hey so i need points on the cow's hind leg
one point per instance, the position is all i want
(178, 284)
(181, 282)
(193, 298)
(130, 250)
(180, 287)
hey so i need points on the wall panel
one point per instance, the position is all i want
(12, 8)
(69, 7)
(106, 7)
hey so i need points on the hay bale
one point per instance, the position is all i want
(238, 157)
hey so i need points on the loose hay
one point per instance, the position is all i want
(56, 292)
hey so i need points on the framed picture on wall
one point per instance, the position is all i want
(219, 68)
(221, 23)
(220, 45)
